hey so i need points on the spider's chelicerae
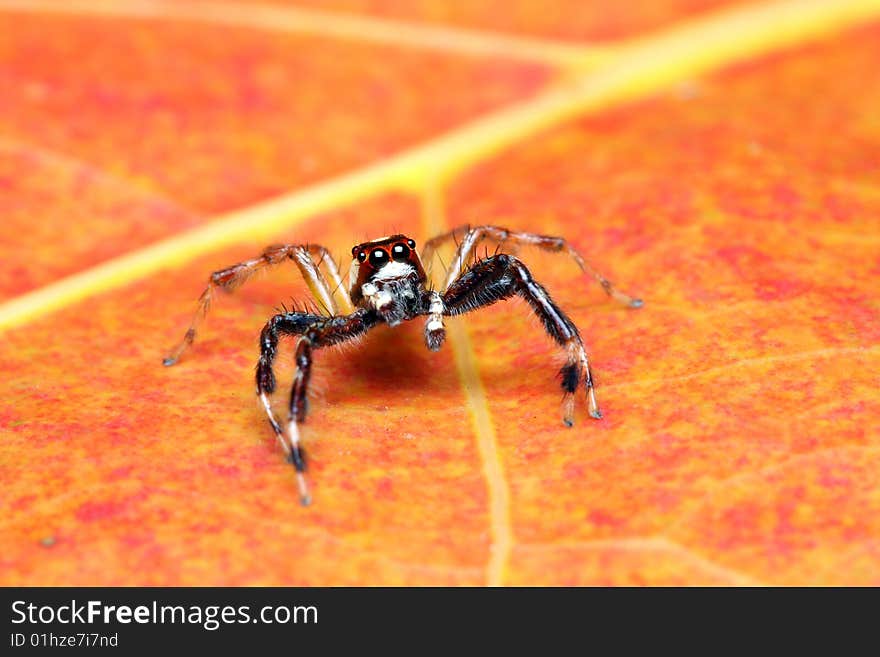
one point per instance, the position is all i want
(388, 285)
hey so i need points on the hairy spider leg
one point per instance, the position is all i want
(230, 278)
(473, 236)
(315, 331)
(500, 277)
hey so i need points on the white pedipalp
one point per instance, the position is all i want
(378, 299)
(435, 310)
(435, 329)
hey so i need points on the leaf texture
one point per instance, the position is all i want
(739, 443)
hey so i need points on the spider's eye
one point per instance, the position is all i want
(411, 243)
(400, 252)
(378, 257)
(361, 256)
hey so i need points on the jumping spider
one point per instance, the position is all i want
(388, 285)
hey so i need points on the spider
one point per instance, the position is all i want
(389, 285)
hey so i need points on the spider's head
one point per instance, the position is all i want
(388, 263)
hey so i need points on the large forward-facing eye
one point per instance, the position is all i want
(400, 252)
(378, 257)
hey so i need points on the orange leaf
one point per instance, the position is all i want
(739, 443)
(126, 131)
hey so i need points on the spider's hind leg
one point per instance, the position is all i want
(468, 238)
(233, 277)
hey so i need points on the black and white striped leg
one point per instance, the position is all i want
(575, 370)
(315, 331)
(297, 415)
(503, 276)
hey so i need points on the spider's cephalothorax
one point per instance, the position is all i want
(388, 285)
(387, 276)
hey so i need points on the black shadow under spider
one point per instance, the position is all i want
(388, 285)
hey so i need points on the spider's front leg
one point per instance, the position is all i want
(503, 276)
(315, 331)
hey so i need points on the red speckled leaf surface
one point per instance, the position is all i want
(740, 437)
(567, 19)
(129, 131)
(741, 416)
